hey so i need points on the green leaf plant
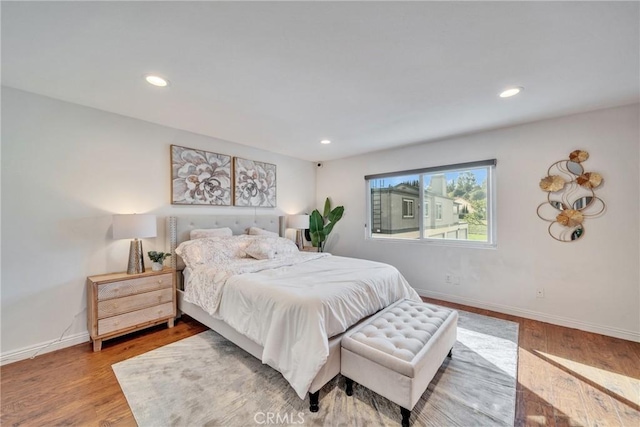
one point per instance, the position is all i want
(158, 256)
(320, 225)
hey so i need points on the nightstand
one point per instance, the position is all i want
(120, 303)
(309, 249)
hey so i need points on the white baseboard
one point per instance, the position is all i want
(535, 315)
(42, 348)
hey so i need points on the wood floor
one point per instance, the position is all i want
(566, 377)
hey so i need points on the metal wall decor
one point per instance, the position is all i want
(570, 197)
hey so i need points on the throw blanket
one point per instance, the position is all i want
(291, 305)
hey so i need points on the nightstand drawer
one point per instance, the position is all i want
(134, 318)
(116, 306)
(134, 286)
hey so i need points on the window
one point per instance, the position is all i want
(407, 208)
(439, 211)
(458, 203)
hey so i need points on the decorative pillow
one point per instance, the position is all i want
(269, 247)
(201, 233)
(203, 251)
(255, 231)
(237, 245)
(215, 250)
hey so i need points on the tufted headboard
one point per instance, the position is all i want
(179, 227)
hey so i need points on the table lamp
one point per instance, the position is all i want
(133, 226)
(299, 222)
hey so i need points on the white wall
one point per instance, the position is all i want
(65, 170)
(591, 284)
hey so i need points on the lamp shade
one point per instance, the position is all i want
(134, 226)
(299, 222)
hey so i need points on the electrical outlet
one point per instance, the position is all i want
(456, 280)
(447, 278)
(540, 293)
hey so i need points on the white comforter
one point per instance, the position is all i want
(293, 304)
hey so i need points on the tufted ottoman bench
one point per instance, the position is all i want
(397, 352)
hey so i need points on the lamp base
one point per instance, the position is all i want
(136, 258)
(299, 241)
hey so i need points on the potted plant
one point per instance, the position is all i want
(157, 258)
(320, 225)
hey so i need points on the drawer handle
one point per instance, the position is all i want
(160, 281)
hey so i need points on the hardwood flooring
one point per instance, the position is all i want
(566, 377)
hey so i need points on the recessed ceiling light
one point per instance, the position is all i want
(325, 141)
(156, 80)
(511, 92)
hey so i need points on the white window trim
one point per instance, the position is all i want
(412, 210)
(472, 244)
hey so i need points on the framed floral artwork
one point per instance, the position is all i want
(254, 183)
(200, 177)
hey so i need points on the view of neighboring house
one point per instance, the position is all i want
(395, 211)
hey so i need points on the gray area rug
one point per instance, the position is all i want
(205, 380)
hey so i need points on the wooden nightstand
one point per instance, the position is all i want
(120, 303)
(309, 249)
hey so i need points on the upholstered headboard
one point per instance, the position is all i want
(179, 227)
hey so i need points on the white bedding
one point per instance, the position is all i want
(291, 305)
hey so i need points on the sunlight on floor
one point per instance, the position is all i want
(617, 384)
(498, 359)
(558, 390)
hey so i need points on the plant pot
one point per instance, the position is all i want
(157, 266)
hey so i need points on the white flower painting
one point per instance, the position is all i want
(255, 183)
(200, 177)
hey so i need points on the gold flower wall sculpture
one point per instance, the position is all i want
(578, 156)
(570, 197)
(552, 183)
(589, 179)
(570, 218)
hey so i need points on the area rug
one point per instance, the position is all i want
(205, 380)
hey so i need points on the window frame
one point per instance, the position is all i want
(491, 213)
(412, 211)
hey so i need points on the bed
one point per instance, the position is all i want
(290, 311)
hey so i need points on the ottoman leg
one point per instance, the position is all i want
(313, 401)
(450, 353)
(405, 416)
(349, 389)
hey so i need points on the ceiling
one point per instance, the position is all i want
(367, 75)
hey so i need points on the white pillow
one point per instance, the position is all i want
(214, 250)
(269, 247)
(202, 251)
(255, 231)
(202, 233)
